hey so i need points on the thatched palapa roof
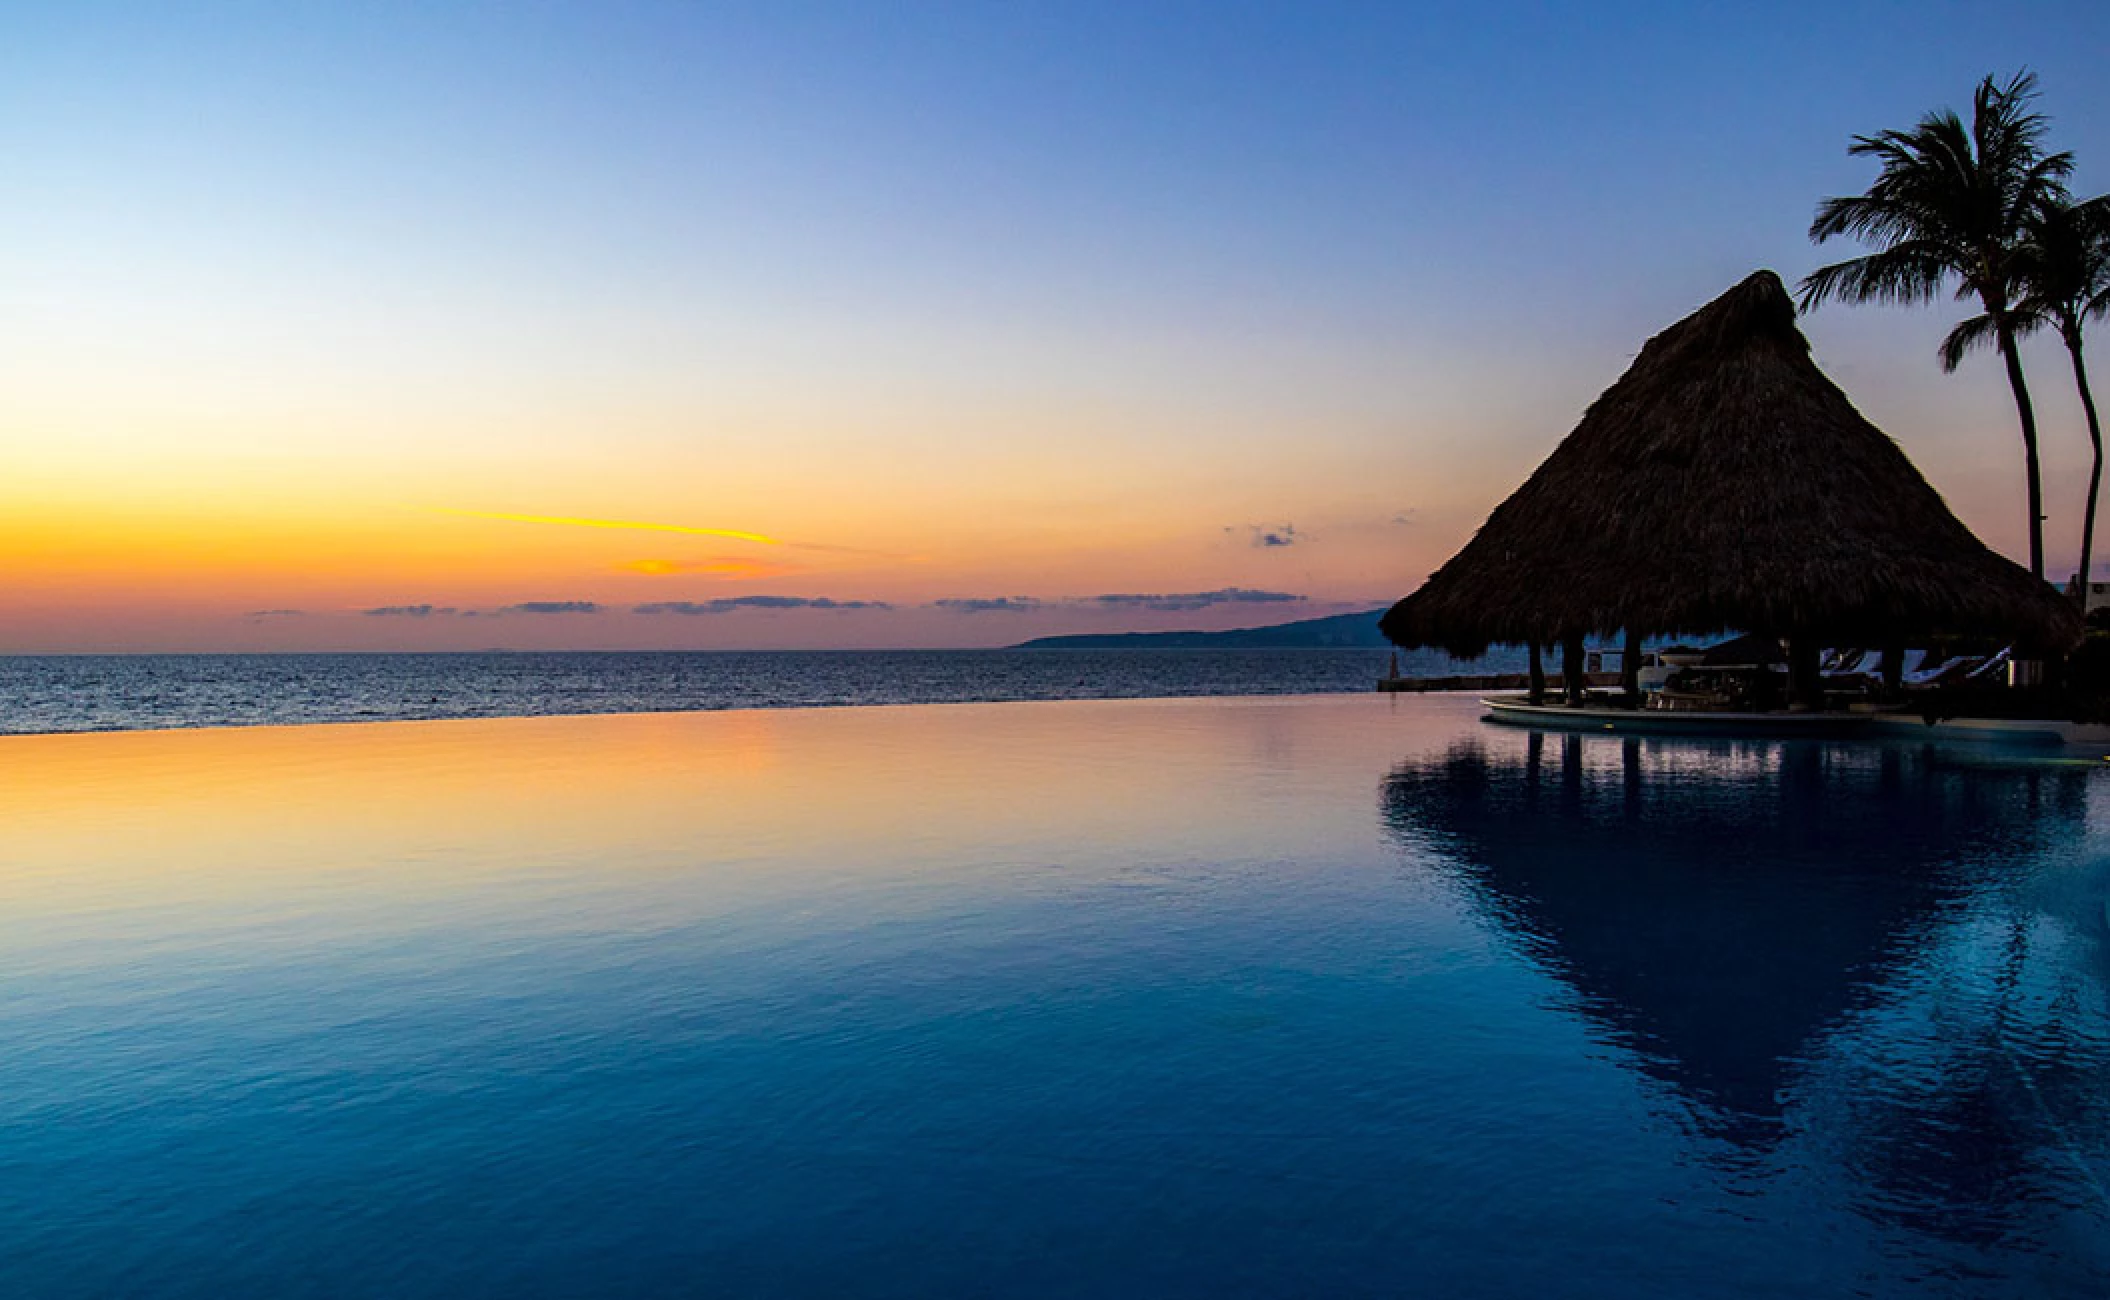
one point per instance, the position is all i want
(1723, 483)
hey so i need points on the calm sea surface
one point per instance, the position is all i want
(41, 693)
(1319, 996)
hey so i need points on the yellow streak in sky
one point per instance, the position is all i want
(614, 523)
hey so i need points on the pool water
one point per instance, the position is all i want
(1347, 995)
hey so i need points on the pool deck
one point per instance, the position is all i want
(1516, 710)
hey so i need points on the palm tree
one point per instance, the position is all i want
(2064, 278)
(2067, 281)
(1952, 201)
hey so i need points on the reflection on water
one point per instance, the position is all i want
(1878, 963)
(1064, 999)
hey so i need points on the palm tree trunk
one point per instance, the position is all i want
(2029, 442)
(2095, 477)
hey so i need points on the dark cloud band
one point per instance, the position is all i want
(989, 604)
(728, 604)
(1187, 600)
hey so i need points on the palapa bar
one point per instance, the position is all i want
(1725, 483)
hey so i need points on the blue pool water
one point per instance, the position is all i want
(1300, 996)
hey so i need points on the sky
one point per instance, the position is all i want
(690, 325)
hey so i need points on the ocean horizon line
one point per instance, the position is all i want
(54, 694)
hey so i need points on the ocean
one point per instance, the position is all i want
(57, 693)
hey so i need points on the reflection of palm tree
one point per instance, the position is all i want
(2003, 1098)
(1952, 202)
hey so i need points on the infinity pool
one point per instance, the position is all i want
(1316, 996)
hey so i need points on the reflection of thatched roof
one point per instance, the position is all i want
(1724, 482)
(1717, 904)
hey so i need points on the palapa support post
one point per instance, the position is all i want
(1538, 675)
(1630, 669)
(1893, 652)
(1572, 682)
(1805, 683)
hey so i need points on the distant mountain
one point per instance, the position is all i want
(1345, 631)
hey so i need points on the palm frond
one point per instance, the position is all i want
(1979, 331)
(1902, 274)
(2091, 220)
(1950, 201)
(1869, 217)
(2062, 265)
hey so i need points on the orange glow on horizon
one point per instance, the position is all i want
(613, 523)
(726, 567)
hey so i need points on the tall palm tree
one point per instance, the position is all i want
(2068, 283)
(1951, 202)
(2064, 277)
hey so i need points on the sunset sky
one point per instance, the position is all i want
(397, 326)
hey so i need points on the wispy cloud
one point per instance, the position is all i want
(574, 522)
(989, 604)
(276, 613)
(1162, 601)
(551, 607)
(407, 611)
(728, 604)
(1268, 536)
(1187, 600)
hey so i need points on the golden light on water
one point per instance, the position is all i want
(140, 819)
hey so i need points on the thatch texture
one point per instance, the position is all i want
(1724, 483)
